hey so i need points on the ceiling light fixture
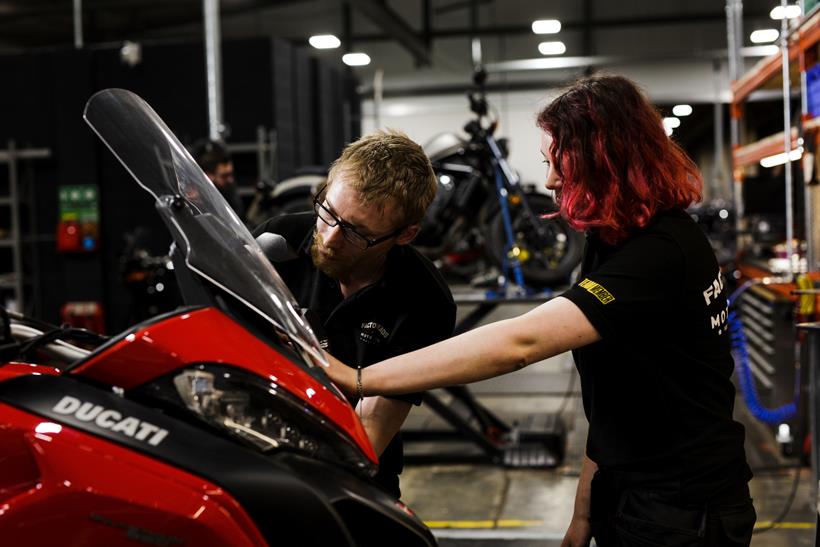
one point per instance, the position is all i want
(671, 122)
(780, 159)
(760, 51)
(681, 110)
(792, 11)
(324, 41)
(764, 36)
(356, 59)
(546, 26)
(552, 48)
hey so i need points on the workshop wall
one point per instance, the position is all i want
(266, 83)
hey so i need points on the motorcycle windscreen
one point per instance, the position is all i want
(217, 245)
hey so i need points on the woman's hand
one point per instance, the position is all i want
(341, 374)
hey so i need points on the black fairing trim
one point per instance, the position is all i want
(288, 497)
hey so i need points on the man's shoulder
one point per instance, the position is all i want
(421, 279)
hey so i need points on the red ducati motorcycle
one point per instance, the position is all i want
(212, 425)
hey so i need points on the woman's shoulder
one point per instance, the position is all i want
(679, 226)
(674, 236)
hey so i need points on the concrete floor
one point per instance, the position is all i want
(479, 504)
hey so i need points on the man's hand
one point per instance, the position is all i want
(578, 534)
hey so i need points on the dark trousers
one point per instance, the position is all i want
(624, 515)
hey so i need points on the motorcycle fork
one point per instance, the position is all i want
(501, 165)
(503, 201)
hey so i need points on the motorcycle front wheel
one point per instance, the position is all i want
(547, 259)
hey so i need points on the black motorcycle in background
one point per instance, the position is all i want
(148, 276)
(483, 218)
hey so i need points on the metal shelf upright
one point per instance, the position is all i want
(12, 281)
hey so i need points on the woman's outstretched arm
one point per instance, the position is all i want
(490, 350)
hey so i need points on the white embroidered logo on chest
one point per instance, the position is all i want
(371, 332)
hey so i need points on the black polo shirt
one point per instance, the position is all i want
(656, 389)
(410, 307)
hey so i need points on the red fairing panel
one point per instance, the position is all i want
(59, 486)
(12, 370)
(208, 335)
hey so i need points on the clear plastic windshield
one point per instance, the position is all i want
(215, 243)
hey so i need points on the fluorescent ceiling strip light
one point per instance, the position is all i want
(324, 41)
(356, 59)
(764, 36)
(681, 110)
(780, 159)
(546, 26)
(792, 11)
(552, 48)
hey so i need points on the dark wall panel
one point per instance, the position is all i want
(71, 277)
(284, 98)
(248, 87)
(266, 83)
(171, 78)
(329, 113)
(304, 90)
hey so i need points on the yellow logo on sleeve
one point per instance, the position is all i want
(597, 291)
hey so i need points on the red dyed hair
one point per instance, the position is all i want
(617, 166)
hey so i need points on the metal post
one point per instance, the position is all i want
(347, 121)
(36, 305)
(741, 66)
(213, 65)
(78, 24)
(718, 178)
(17, 258)
(730, 40)
(261, 156)
(814, 421)
(273, 160)
(378, 95)
(808, 191)
(787, 137)
(475, 49)
(347, 28)
(734, 11)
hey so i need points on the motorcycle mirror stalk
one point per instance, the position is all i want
(478, 99)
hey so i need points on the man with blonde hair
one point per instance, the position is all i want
(370, 294)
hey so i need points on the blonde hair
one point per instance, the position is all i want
(386, 165)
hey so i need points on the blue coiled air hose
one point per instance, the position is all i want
(744, 373)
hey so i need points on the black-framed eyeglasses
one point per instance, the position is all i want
(350, 233)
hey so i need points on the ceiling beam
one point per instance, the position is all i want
(395, 27)
(498, 30)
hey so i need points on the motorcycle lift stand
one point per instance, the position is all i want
(538, 440)
(535, 440)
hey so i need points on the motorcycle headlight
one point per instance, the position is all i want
(258, 413)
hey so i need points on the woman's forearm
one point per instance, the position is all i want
(485, 352)
(476, 355)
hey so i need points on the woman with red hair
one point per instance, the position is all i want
(664, 462)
